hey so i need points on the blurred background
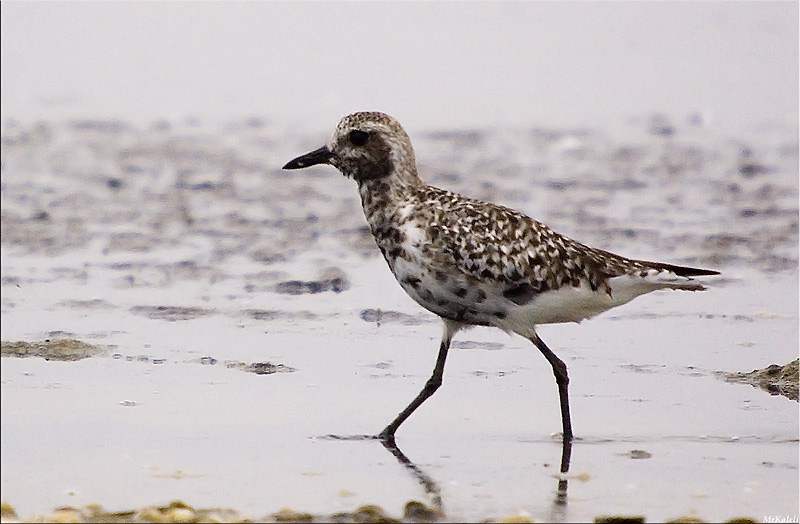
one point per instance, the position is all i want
(429, 64)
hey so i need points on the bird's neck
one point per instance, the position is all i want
(383, 198)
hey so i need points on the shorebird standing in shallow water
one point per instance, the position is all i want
(475, 263)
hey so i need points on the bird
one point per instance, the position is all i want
(477, 263)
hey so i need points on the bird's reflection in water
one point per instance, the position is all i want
(559, 512)
(559, 509)
(430, 485)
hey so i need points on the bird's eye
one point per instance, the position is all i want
(358, 138)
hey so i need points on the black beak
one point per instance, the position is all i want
(319, 156)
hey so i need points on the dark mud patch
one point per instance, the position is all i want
(262, 314)
(138, 358)
(637, 454)
(774, 379)
(332, 279)
(95, 304)
(494, 374)
(273, 314)
(259, 368)
(391, 317)
(172, 313)
(473, 344)
(64, 349)
(644, 368)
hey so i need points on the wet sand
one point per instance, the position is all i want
(186, 258)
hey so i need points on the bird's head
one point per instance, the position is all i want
(365, 146)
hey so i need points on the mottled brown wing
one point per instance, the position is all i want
(495, 244)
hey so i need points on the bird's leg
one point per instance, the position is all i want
(560, 372)
(433, 383)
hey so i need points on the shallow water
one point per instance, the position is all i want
(186, 254)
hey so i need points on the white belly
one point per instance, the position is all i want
(574, 304)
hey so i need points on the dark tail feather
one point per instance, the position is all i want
(683, 271)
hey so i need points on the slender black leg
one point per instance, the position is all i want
(562, 379)
(560, 371)
(433, 383)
